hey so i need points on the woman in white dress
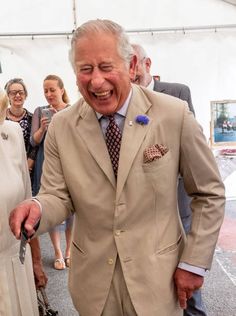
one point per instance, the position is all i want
(17, 289)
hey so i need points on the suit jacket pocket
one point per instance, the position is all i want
(156, 164)
(79, 248)
(170, 247)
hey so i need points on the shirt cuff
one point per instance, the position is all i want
(39, 204)
(193, 269)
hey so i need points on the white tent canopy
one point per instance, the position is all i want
(189, 41)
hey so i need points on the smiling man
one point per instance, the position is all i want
(116, 166)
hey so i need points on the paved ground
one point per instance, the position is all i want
(220, 285)
(219, 291)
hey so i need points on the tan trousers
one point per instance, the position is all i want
(118, 302)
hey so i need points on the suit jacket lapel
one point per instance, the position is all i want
(91, 133)
(132, 136)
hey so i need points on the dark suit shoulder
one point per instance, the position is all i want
(177, 90)
(171, 88)
(160, 100)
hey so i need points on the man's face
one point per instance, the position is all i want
(142, 76)
(102, 76)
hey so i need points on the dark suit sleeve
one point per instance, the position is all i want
(185, 95)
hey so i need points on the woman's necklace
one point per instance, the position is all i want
(16, 115)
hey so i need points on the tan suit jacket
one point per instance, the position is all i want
(136, 218)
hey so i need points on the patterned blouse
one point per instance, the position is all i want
(25, 124)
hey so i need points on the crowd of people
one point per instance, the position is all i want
(146, 201)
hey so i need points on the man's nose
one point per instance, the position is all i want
(97, 78)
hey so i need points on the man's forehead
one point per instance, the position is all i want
(88, 52)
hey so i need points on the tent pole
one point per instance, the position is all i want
(138, 31)
(74, 14)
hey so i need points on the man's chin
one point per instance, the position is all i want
(105, 106)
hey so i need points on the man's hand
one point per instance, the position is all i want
(39, 274)
(186, 283)
(28, 211)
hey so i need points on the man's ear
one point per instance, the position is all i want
(148, 64)
(132, 67)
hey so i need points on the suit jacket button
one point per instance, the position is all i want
(117, 233)
(110, 261)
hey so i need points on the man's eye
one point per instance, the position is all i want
(106, 67)
(86, 69)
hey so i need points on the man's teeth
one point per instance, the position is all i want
(102, 94)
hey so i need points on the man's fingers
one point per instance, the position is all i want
(182, 299)
(183, 296)
(186, 282)
(32, 219)
(15, 220)
(189, 294)
(27, 211)
(31, 223)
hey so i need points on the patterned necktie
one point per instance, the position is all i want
(113, 141)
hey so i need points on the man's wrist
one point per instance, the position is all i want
(38, 203)
(191, 268)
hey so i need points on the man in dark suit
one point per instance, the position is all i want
(143, 77)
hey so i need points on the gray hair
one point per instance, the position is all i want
(139, 51)
(15, 80)
(96, 26)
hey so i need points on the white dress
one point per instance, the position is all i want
(17, 289)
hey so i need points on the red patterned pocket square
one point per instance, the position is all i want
(154, 152)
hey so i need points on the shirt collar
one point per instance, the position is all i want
(123, 110)
(151, 85)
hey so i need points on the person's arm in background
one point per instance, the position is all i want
(38, 128)
(32, 153)
(185, 95)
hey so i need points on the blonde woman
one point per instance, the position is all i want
(17, 288)
(58, 100)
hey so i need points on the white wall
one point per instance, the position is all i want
(33, 60)
(133, 14)
(35, 16)
(57, 15)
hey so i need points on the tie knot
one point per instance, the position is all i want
(111, 118)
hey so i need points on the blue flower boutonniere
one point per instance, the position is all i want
(142, 119)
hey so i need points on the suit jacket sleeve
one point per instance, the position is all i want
(203, 183)
(185, 95)
(53, 195)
